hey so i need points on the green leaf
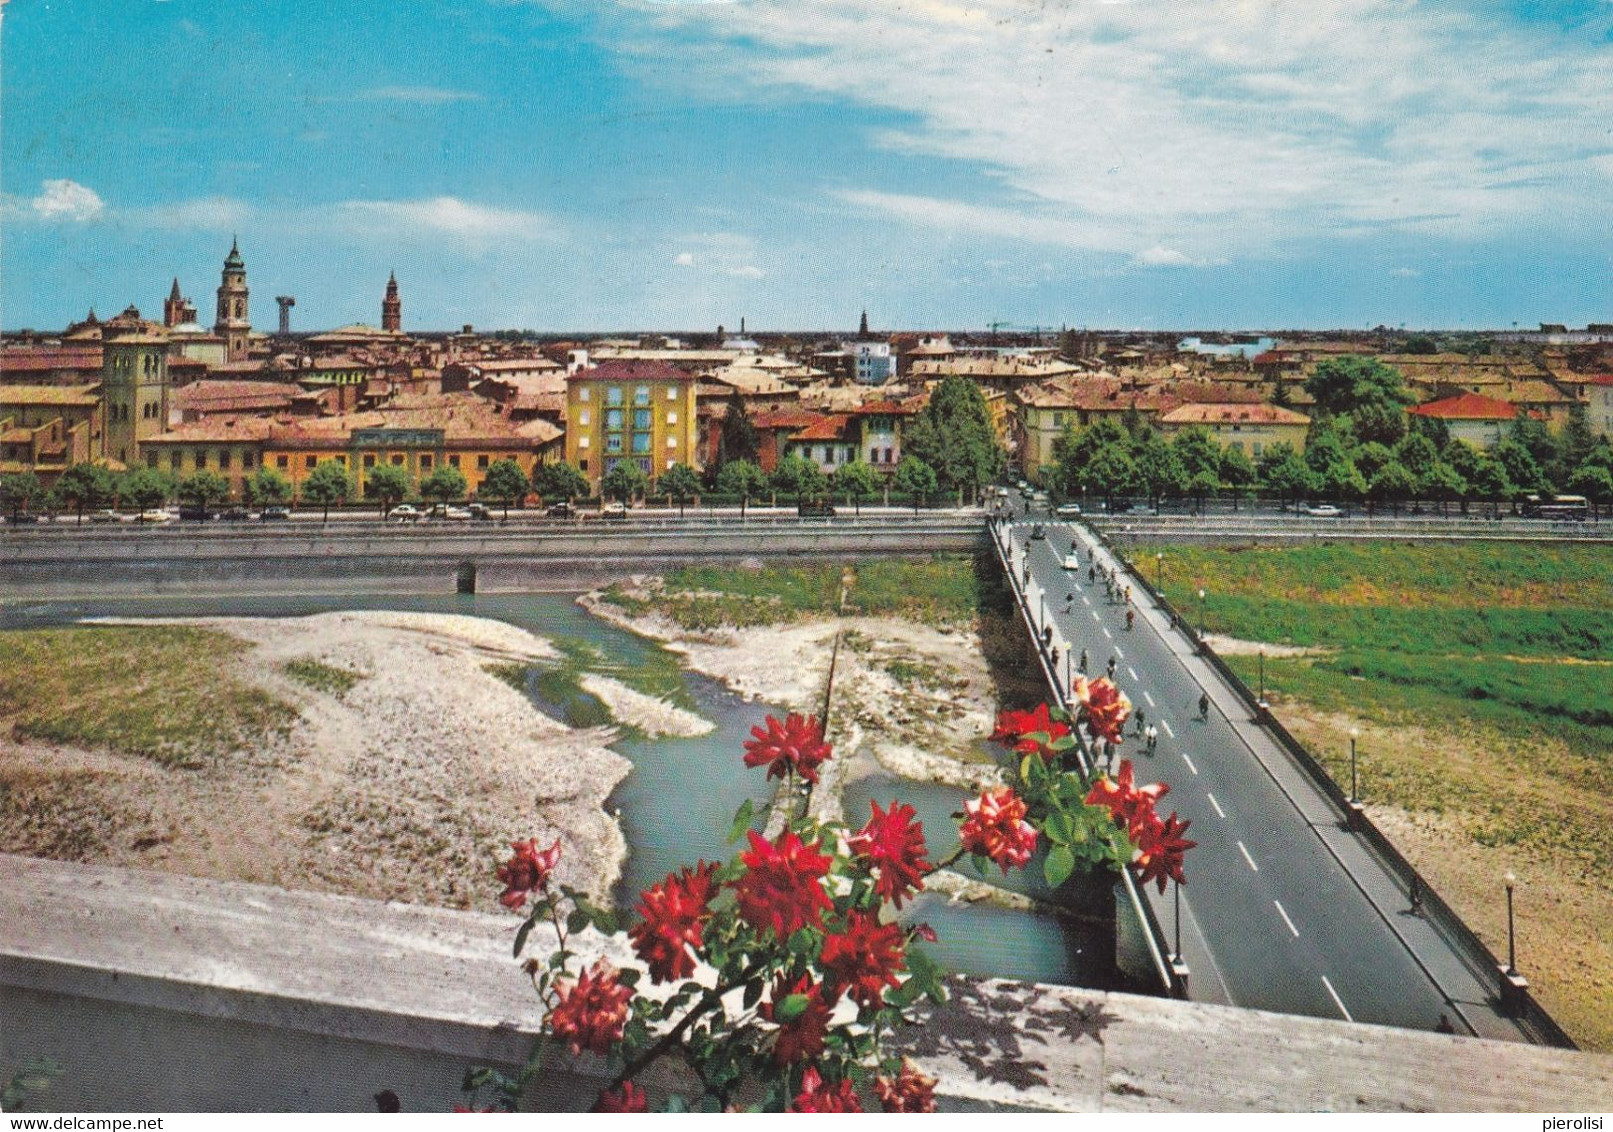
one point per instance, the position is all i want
(520, 936)
(792, 1007)
(742, 820)
(1059, 865)
(628, 976)
(577, 920)
(676, 1103)
(753, 993)
(802, 942)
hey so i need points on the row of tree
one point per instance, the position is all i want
(1361, 447)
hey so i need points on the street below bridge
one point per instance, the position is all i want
(1285, 908)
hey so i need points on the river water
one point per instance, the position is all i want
(678, 802)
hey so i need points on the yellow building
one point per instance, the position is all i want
(46, 429)
(641, 411)
(135, 386)
(231, 447)
(1252, 428)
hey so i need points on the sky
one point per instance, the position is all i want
(598, 165)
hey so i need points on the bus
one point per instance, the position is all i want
(1573, 508)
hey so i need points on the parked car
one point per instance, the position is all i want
(25, 517)
(275, 514)
(479, 511)
(404, 512)
(443, 511)
(1323, 511)
(613, 510)
(234, 514)
(560, 511)
(1038, 531)
(195, 514)
(155, 515)
(105, 515)
(815, 509)
(1068, 511)
(1072, 562)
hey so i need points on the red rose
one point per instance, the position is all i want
(527, 871)
(1104, 706)
(908, 1091)
(893, 843)
(864, 958)
(818, 1096)
(799, 1037)
(796, 744)
(994, 825)
(781, 889)
(592, 1012)
(675, 912)
(1131, 806)
(628, 1097)
(1161, 852)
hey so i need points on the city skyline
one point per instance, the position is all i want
(565, 166)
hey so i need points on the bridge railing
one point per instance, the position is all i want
(1473, 950)
(1138, 900)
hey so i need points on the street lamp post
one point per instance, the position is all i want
(1262, 696)
(1178, 955)
(1355, 734)
(1159, 573)
(1204, 623)
(1512, 942)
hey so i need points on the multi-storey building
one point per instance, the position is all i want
(136, 388)
(640, 411)
(233, 324)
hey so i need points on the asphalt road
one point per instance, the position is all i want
(1272, 918)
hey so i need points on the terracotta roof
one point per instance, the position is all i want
(785, 418)
(34, 361)
(884, 408)
(831, 427)
(1211, 412)
(216, 431)
(628, 371)
(80, 396)
(212, 396)
(1467, 407)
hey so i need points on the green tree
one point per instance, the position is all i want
(954, 436)
(1490, 481)
(916, 479)
(559, 482)
(1418, 455)
(1112, 472)
(1432, 427)
(388, 483)
(1342, 384)
(680, 483)
(1237, 472)
(625, 482)
(1442, 484)
(1574, 444)
(203, 488)
(327, 484)
(1542, 447)
(1392, 484)
(1159, 470)
(1370, 457)
(86, 486)
(444, 483)
(19, 491)
(1342, 481)
(1198, 451)
(744, 479)
(1420, 344)
(1594, 482)
(505, 483)
(1288, 478)
(1385, 424)
(798, 476)
(1523, 470)
(738, 439)
(268, 488)
(857, 481)
(146, 488)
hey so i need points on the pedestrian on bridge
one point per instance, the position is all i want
(1083, 662)
(1131, 615)
(1151, 738)
(1092, 574)
(1204, 707)
(1139, 731)
(1053, 658)
(1111, 668)
(1128, 595)
(1069, 602)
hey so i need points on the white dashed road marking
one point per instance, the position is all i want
(1095, 616)
(1189, 763)
(1166, 724)
(1133, 672)
(1150, 700)
(1216, 805)
(1337, 1001)
(1244, 850)
(1120, 652)
(1108, 634)
(1286, 920)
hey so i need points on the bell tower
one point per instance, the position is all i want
(233, 324)
(391, 305)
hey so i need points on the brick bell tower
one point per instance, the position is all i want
(392, 306)
(233, 324)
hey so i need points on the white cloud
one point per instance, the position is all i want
(419, 95)
(684, 259)
(67, 200)
(1161, 256)
(477, 226)
(1405, 273)
(748, 271)
(215, 214)
(1213, 127)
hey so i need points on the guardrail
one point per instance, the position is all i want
(1472, 950)
(1292, 527)
(1139, 900)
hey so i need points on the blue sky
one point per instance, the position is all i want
(595, 165)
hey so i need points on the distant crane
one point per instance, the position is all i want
(286, 303)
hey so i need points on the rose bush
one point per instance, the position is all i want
(779, 977)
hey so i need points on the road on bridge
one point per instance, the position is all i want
(1284, 908)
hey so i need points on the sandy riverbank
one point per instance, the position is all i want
(406, 786)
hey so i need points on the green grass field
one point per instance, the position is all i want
(161, 692)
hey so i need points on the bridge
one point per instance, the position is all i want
(1294, 902)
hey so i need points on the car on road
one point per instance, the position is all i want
(1323, 511)
(1072, 562)
(105, 515)
(234, 515)
(274, 514)
(443, 511)
(1118, 507)
(404, 513)
(613, 510)
(560, 511)
(154, 515)
(478, 511)
(815, 509)
(1068, 511)
(1038, 531)
(197, 514)
(25, 517)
